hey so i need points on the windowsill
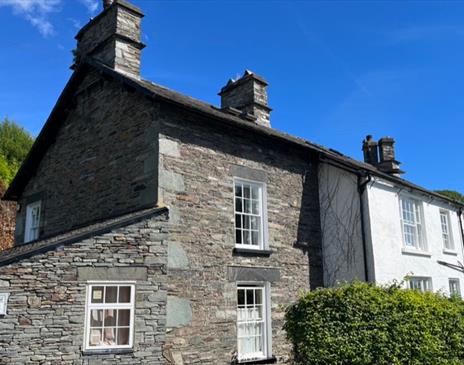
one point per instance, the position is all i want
(410, 251)
(239, 251)
(450, 252)
(115, 351)
(268, 360)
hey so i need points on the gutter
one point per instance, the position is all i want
(363, 180)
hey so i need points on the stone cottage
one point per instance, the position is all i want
(152, 227)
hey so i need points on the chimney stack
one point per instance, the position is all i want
(386, 151)
(369, 148)
(248, 94)
(113, 38)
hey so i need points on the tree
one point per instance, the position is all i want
(15, 143)
(451, 194)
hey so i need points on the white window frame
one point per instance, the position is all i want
(419, 232)
(446, 231)
(262, 235)
(422, 283)
(31, 230)
(89, 306)
(267, 325)
(457, 289)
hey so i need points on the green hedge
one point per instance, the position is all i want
(364, 324)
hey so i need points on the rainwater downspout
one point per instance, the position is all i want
(363, 180)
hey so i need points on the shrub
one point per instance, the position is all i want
(364, 324)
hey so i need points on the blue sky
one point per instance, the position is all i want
(337, 70)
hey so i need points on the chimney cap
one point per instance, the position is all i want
(247, 75)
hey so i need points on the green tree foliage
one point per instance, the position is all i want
(362, 324)
(451, 194)
(15, 143)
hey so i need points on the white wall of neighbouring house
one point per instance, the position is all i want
(391, 260)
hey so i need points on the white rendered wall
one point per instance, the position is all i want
(390, 260)
(341, 226)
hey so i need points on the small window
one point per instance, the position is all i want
(420, 283)
(253, 322)
(31, 231)
(454, 287)
(446, 230)
(411, 218)
(249, 212)
(109, 316)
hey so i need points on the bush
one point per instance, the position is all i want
(364, 324)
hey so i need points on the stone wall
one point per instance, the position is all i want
(46, 307)
(7, 222)
(102, 163)
(197, 164)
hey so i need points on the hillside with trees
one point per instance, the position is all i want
(15, 143)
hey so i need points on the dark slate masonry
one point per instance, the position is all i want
(44, 324)
(136, 183)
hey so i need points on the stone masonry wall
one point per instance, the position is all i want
(102, 163)
(7, 221)
(197, 163)
(46, 307)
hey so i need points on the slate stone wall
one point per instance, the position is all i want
(102, 163)
(46, 308)
(197, 165)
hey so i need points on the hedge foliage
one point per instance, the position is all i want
(364, 324)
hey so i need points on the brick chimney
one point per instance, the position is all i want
(113, 37)
(247, 94)
(371, 155)
(385, 149)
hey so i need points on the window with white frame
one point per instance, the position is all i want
(420, 283)
(413, 229)
(31, 229)
(249, 213)
(253, 322)
(454, 287)
(109, 315)
(446, 230)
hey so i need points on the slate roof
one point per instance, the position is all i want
(213, 113)
(43, 245)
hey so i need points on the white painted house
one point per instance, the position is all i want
(381, 228)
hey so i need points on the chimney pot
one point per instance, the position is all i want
(249, 95)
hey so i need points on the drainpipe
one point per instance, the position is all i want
(461, 229)
(363, 180)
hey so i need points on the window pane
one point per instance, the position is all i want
(124, 294)
(238, 204)
(254, 223)
(250, 297)
(95, 337)
(123, 336)
(246, 191)
(238, 190)
(255, 238)
(110, 317)
(255, 192)
(247, 206)
(247, 237)
(238, 221)
(109, 336)
(246, 221)
(241, 297)
(97, 294)
(238, 236)
(111, 294)
(255, 207)
(123, 317)
(96, 318)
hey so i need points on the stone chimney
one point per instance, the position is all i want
(113, 38)
(247, 94)
(386, 151)
(371, 155)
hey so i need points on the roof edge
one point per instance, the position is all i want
(23, 251)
